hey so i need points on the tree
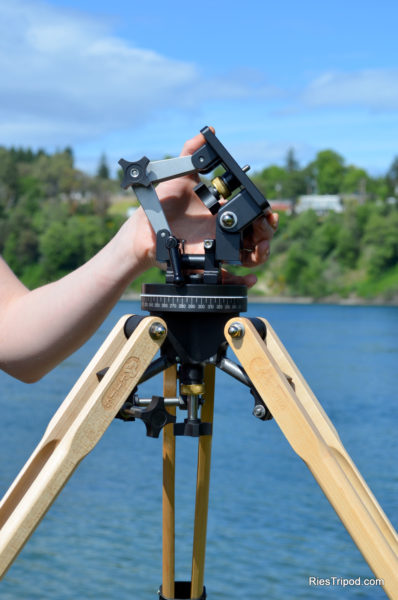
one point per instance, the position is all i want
(9, 178)
(355, 181)
(295, 181)
(328, 171)
(103, 169)
(291, 163)
(382, 242)
(272, 181)
(392, 177)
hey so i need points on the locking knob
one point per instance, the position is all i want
(155, 416)
(209, 197)
(134, 173)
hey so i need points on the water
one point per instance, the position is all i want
(270, 527)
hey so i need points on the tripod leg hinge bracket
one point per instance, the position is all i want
(182, 591)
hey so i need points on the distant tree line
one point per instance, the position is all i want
(326, 174)
(354, 253)
(54, 217)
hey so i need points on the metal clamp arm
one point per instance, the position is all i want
(233, 218)
(141, 175)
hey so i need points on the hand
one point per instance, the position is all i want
(191, 221)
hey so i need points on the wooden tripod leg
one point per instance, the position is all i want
(169, 450)
(312, 443)
(73, 432)
(202, 489)
(329, 433)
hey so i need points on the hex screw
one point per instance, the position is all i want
(259, 411)
(134, 173)
(236, 330)
(157, 331)
(228, 220)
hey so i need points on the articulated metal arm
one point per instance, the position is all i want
(232, 218)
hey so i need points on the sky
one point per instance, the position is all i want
(129, 78)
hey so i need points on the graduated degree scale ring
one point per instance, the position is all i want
(205, 298)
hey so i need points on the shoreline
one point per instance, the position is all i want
(335, 300)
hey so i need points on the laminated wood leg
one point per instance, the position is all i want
(202, 489)
(313, 437)
(329, 433)
(169, 451)
(73, 432)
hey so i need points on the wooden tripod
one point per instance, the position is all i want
(91, 405)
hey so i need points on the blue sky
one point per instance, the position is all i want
(131, 78)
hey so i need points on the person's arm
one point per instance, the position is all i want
(39, 328)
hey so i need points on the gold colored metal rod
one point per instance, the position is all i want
(202, 489)
(74, 430)
(169, 449)
(311, 442)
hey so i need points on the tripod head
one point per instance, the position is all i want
(193, 281)
(233, 217)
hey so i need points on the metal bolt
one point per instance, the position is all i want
(201, 159)
(259, 411)
(134, 173)
(228, 220)
(236, 330)
(208, 244)
(246, 168)
(157, 331)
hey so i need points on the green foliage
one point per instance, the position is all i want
(354, 181)
(392, 177)
(328, 171)
(382, 241)
(351, 253)
(53, 218)
(103, 169)
(271, 181)
(282, 182)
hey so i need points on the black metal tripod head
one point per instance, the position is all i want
(193, 281)
(233, 217)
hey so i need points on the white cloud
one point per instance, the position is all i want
(65, 78)
(374, 89)
(65, 73)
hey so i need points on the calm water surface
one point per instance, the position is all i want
(270, 527)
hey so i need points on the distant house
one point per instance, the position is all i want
(320, 204)
(284, 205)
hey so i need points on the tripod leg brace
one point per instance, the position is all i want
(313, 437)
(73, 432)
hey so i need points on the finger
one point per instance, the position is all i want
(262, 230)
(257, 256)
(249, 280)
(273, 220)
(193, 144)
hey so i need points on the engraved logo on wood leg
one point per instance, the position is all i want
(128, 372)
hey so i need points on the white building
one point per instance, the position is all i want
(320, 204)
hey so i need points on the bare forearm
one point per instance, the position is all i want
(39, 328)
